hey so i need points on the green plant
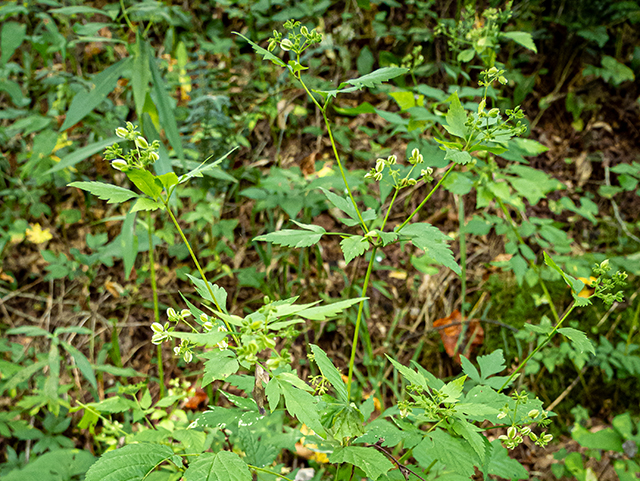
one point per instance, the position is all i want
(432, 421)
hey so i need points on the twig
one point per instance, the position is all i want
(566, 392)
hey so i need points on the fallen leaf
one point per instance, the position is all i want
(450, 334)
(198, 400)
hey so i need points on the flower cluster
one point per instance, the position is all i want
(516, 433)
(143, 155)
(604, 286)
(295, 42)
(415, 158)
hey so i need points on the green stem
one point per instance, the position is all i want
(417, 209)
(384, 222)
(156, 310)
(634, 325)
(266, 471)
(359, 320)
(335, 153)
(463, 273)
(195, 261)
(540, 346)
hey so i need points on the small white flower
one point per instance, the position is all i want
(207, 326)
(512, 432)
(188, 356)
(502, 415)
(157, 327)
(121, 132)
(176, 350)
(153, 156)
(171, 313)
(185, 313)
(119, 164)
(533, 413)
(286, 44)
(141, 142)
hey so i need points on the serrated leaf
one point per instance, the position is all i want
(578, 338)
(146, 204)
(219, 365)
(345, 205)
(372, 462)
(387, 237)
(205, 167)
(111, 193)
(521, 38)
(433, 242)
(220, 466)
(491, 363)
(471, 433)
(302, 405)
(321, 313)
(461, 157)
(454, 453)
(83, 364)
(218, 292)
(295, 238)
(273, 392)
(502, 465)
(330, 372)
(261, 51)
(168, 180)
(146, 182)
(576, 285)
(377, 77)
(353, 246)
(410, 375)
(133, 462)
(456, 117)
(453, 390)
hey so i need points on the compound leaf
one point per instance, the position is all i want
(295, 238)
(578, 338)
(433, 242)
(353, 246)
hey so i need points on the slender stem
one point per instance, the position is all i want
(195, 261)
(634, 325)
(156, 310)
(266, 471)
(384, 222)
(359, 320)
(335, 153)
(417, 209)
(540, 346)
(463, 273)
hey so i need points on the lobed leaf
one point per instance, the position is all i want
(113, 194)
(372, 462)
(295, 238)
(133, 462)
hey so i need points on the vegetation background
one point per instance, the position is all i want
(77, 288)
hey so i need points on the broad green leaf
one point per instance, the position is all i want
(353, 246)
(111, 193)
(218, 292)
(83, 364)
(168, 180)
(433, 242)
(321, 313)
(273, 393)
(576, 285)
(146, 182)
(56, 465)
(461, 157)
(80, 9)
(521, 38)
(79, 155)
(347, 422)
(466, 55)
(404, 99)
(578, 338)
(502, 465)
(606, 439)
(13, 34)
(261, 51)
(387, 237)
(219, 365)
(22, 376)
(302, 405)
(377, 77)
(453, 390)
(471, 433)
(84, 102)
(146, 204)
(220, 466)
(455, 453)
(372, 462)
(491, 363)
(164, 104)
(295, 238)
(133, 462)
(456, 117)
(140, 74)
(330, 372)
